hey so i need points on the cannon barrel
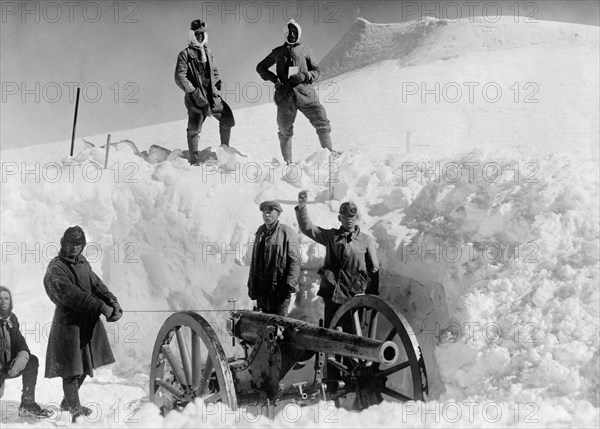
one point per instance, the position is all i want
(250, 326)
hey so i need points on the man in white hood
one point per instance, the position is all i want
(296, 72)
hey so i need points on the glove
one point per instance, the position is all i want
(107, 311)
(218, 85)
(278, 84)
(19, 364)
(117, 312)
(199, 98)
(302, 198)
(297, 78)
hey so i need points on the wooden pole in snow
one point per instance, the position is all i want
(107, 150)
(329, 179)
(75, 121)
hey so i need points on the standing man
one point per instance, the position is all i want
(197, 75)
(296, 72)
(77, 343)
(351, 266)
(275, 264)
(16, 360)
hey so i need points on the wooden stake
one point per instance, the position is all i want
(75, 120)
(107, 150)
(329, 179)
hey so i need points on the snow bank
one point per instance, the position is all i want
(494, 266)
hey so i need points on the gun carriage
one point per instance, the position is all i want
(368, 353)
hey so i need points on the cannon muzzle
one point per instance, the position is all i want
(252, 327)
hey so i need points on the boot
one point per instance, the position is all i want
(285, 143)
(225, 134)
(192, 141)
(34, 410)
(71, 402)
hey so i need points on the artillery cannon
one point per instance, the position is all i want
(369, 351)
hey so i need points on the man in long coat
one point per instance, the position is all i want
(78, 342)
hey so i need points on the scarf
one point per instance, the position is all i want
(193, 42)
(5, 346)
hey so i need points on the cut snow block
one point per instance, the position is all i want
(157, 154)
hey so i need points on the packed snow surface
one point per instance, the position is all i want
(486, 222)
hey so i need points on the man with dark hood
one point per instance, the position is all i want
(351, 265)
(78, 342)
(16, 360)
(197, 74)
(296, 71)
(275, 264)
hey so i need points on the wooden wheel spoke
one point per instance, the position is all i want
(396, 395)
(213, 398)
(207, 372)
(169, 387)
(175, 366)
(393, 369)
(357, 327)
(185, 355)
(373, 325)
(196, 361)
(390, 336)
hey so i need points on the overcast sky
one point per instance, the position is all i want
(122, 54)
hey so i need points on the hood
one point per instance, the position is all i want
(193, 42)
(286, 31)
(10, 308)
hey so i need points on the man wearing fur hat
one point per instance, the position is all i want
(78, 342)
(296, 71)
(351, 265)
(197, 74)
(275, 263)
(16, 360)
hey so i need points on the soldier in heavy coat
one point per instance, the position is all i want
(275, 263)
(197, 74)
(15, 358)
(295, 74)
(351, 265)
(78, 342)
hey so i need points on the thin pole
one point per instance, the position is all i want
(107, 150)
(330, 185)
(75, 120)
(407, 141)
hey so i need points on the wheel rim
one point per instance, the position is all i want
(188, 361)
(405, 380)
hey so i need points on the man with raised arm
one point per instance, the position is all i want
(351, 266)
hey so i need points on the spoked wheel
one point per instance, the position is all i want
(405, 380)
(188, 361)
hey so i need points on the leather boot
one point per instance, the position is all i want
(71, 401)
(192, 140)
(285, 143)
(225, 134)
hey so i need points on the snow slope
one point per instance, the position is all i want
(486, 224)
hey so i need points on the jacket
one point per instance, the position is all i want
(77, 342)
(189, 75)
(284, 57)
(351, 265)
(274, 272)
